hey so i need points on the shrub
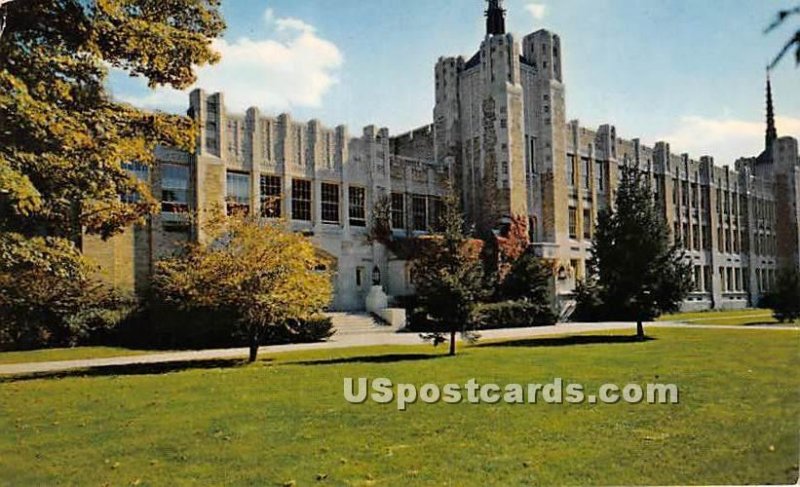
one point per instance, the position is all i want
(311, 330)
(41, 310)
(512, 314)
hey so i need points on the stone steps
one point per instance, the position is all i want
(357, 324)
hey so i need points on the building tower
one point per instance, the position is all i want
(495, 18)
(772, 132)
(479, 124)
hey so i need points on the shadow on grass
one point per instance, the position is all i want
(372, 359)
(568, 341)
(131, 369)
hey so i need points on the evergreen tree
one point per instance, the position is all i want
(449, 276)
(639, 274)
(785, 298)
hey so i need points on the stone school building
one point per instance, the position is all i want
(500, 135)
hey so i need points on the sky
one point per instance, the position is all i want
(686, 71)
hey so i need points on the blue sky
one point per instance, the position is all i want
(687, 71)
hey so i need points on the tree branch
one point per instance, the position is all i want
(793, 41)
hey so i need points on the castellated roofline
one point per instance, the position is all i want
(588, 135)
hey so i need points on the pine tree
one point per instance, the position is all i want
(449, 276)
(639, 274)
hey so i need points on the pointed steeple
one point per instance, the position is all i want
(772, 132)
(495, 18)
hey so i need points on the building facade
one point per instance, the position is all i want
(500, 136)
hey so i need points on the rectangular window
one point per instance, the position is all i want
(435, 209)
(359, 276)
(271, 196)
(174, 188)
(398, 211)
(587, 224)
(571, 170)
(301, 200)
(238, 192)
(685, 193)
(573, 223)
(419, 213)
(142, 174)
(586, 174)
(358, 204)
(330, 203)
(695, 237)
(599, 176)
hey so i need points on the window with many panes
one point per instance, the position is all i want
(238, 192)
(301, 200)
(419, 213)
(586, 175)
(573, 223)
(174, 188)
(587, 224)
(139, 171)
(330, 203)
(571, 170)
(271, 196)
(398, 210)
(599, 176)
(358, 206)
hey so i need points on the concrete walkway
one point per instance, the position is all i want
(346, 341)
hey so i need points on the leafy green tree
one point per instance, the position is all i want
(449, 276)
(639, 273)
(260, 273)
(64, 140)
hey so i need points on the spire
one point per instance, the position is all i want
(495, 18)
(772, 133)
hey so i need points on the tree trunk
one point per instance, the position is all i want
(255, 339)
(452, 343)
(640, 330)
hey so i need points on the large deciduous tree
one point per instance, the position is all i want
(449, 275)
(259, 272)
(638, 273)
(63, 139)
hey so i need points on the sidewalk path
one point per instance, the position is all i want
(345, 341)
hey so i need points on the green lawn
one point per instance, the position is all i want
(58, 354)
(741, 317)
(285, 419)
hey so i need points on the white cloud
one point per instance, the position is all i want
(726, 139)
(538, 10)
(296, 67)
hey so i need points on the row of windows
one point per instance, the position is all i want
(425, 211)
(585, 173)
(732, 279)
